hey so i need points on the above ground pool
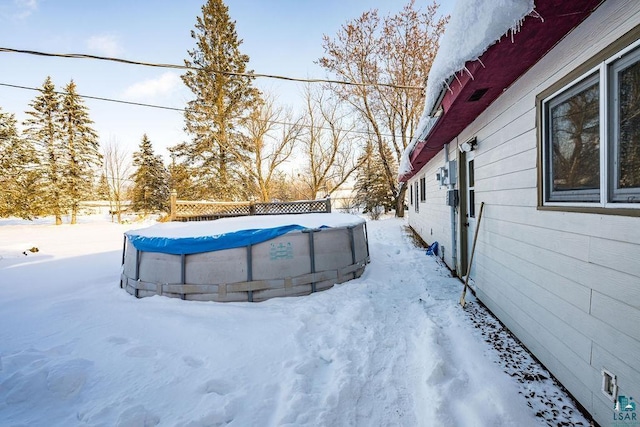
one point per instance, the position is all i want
(250, 258)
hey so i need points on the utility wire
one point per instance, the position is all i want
(119, 101)
(187, 67)
(182, 110)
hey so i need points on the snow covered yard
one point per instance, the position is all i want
(392, 348)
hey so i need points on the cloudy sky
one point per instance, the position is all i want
(281, 37)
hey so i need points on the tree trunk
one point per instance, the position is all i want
(402, 191)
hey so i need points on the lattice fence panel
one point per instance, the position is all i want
(307, 206)
(185, 210)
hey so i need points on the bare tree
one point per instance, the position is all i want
(396, 51)
(330, 150)
(271, 133)
(118, 169)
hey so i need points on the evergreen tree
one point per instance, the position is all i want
(150, 191)
(181, 180)
(222, 102)
(43, 129)
(82, 150)
(102, 190)
(19, 176)
(372, 191)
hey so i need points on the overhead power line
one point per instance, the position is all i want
(186, 67)
(119, 101)
(181, 110)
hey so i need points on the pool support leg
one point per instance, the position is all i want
(312, 256)
(249, 272)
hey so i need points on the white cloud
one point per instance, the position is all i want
(104, 44)
(166, 84)
(21, 9)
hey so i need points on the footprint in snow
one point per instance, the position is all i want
(142, 351)
(117, 340)
(137, 416)
(216, 386)
(192, 362)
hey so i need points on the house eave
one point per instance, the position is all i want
(470, 92)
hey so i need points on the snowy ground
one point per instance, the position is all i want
(393, 348)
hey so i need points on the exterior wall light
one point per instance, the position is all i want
(469, 145)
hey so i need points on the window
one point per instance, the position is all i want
(591, 137)
(423, 189)
(411, 195)
(625, 130)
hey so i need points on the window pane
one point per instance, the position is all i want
(575, 141)
(629, 127)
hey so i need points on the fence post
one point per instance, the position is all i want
(174, 198)
(328, 203)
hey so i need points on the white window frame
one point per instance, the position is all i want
(608, 141)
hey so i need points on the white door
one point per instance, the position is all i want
(470, 214)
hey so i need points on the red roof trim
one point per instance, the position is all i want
(502, 64)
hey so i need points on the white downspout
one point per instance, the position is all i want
(450, 186)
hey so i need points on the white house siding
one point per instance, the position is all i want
(433, 221)
(567, 284)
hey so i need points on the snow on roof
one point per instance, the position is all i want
(475, 25)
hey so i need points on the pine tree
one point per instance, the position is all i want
(222, 102)
(181, 180)
(102, 190)
(372, 191)
(43, 129)
(19, 176)
(150, 189)
(82, 150)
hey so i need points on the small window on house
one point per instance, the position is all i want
(423, 189)
(591, 137)
(411, 195)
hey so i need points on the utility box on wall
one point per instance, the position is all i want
(446, 175)
(452, 172)
(452, 198)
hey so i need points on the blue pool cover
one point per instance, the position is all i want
(195, 245)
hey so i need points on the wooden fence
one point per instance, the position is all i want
(189, 210)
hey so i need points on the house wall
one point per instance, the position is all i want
(566, 283)
(433, 221)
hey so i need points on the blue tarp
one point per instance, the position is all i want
(195, 245)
